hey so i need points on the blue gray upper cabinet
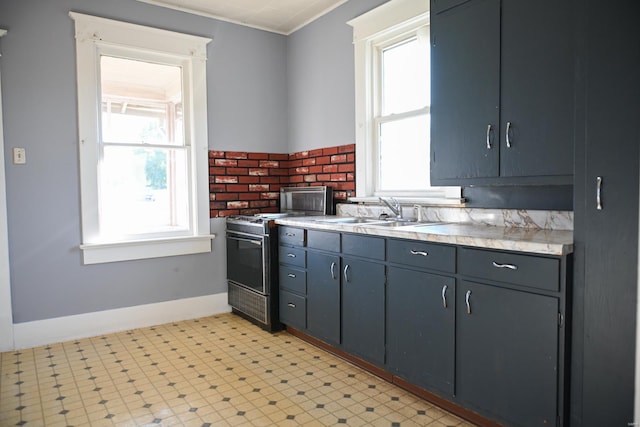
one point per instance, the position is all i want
(502, 92)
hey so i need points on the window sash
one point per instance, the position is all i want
(182, 228)
(380, 164)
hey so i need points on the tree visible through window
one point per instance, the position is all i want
(143, 182)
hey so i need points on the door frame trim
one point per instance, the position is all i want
(6, 314)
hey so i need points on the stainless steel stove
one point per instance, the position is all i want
(252, 253)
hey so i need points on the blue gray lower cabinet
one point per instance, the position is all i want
(454, 321)
(363, 313)
(323, 296)
(507, 353)
(421, 328)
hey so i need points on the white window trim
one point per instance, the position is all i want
(388, 20)
(94, 35)
(6, 313)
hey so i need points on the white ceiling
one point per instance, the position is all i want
(277, 16)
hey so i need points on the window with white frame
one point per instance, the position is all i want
(143, 141)
(392, 66)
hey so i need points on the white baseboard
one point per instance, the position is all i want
(49, 331)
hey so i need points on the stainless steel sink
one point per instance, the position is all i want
(388, 222)
(396, 223)
(350, 220)
(406, 223)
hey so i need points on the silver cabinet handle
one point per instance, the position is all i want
(599, 193)
(509, 266)
(507, 132)
(467, 301)
(444, 296)
(291, 255)
(293, 276)
(419, 253)
(488, 137)
(292, 305)
(333, 273)
(290, 234)
(344, 273)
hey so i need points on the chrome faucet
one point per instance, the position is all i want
(395, 208)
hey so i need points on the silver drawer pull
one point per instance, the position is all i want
(333, 272)
(444, 296)
(599, 193)
(509, 266)
(290, 234)
(293, 276)
(291, 255)
(346, 277)
(467, 300)
(292, 305)
(419, 253)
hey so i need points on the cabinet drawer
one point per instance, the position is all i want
(421, 254)
(293, 310)
(524, 270)
(292, 256)
(292, 235)
(323, 240)
(293, 279)
(363, 246)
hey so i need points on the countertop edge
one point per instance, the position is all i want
(542, 242)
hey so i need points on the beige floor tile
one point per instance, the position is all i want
(220, 370)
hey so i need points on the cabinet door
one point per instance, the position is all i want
(323, 296)
(363, 309)
(537, 88)
(420, 328)
(507, 353)
(606, 240)
(465, 74)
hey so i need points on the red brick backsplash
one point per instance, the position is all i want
(334, 167)
(249, 183)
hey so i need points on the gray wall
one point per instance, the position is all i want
(247, 108)
(321, 86)
(266, 92)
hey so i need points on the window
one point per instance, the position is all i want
(143, 141)
(392, 65)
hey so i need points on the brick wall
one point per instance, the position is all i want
(334, 167)
(246, 183)
(249, 183)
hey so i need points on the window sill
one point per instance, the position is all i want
(98, 253)
(408, 200)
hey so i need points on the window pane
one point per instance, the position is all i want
(404, 154)
(143, 191)
(141, 102)
(405, 77)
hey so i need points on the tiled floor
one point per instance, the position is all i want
(214, 371)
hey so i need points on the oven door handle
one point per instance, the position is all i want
(240, 239)
(234, 233)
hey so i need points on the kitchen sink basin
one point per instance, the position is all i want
(406, 223)
(389, 222)
(350, 220)
(397, 223)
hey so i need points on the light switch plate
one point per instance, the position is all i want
(19, 156)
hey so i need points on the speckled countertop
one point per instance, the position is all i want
(520, 239)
